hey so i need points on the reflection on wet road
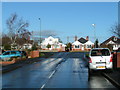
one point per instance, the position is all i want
(65, 70)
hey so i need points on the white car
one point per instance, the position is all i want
(99, 59)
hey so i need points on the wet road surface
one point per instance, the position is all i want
(64, 70)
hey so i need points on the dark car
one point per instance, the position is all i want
(24, 54)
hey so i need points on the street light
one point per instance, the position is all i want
(40, 32)
(94, 31)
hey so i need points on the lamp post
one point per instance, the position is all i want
(94, 32)
(40, 32)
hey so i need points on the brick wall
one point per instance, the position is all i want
(118, 60)
(34, 54)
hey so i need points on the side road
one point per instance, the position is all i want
(19, 64)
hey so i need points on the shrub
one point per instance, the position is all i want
(34, 47)
(7, 47)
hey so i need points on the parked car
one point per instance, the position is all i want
(99, 59)
(7, 55)
(24, 54)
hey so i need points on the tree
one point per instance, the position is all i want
(116, 30)
(17, 28)
(5, 40)
(69, 46)
(34, 47)
(96, 43)
(7, 47)
(48, 46)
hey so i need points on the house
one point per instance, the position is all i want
(82, 44)
(53, 43)
(14, 46)
(113, 43)
(27, 46)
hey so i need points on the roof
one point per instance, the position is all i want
(76, 43)
(82, 40)
(89, 42)
(112, 39)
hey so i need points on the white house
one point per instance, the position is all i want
(76, 45)
(88, 44)
(53, 42)
(82, 44)
(27, 46)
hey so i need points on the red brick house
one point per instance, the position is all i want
(112, 42)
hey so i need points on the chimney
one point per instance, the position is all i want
(87, 38)
(75, 38)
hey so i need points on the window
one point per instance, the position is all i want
(6, 53)
(50, 39)
(13, 52)
(89, 46)
(77, 46)
(57, 46)
(100, 52)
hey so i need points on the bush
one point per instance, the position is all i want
(7, 47)
(41, 54)
(34, 47)
(48, 46)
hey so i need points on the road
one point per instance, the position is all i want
(64, 70)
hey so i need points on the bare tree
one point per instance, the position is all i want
(17, 28)
(116, 30)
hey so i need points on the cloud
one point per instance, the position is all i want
(45, 33)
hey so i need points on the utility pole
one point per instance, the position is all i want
(40, 33)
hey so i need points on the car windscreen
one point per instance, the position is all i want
(6, 53)
(100, 52)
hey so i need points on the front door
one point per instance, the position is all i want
(82, 47)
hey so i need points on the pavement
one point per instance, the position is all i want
(113, 77)
(19, 64)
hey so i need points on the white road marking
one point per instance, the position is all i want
(42, 86)
(52, 74)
